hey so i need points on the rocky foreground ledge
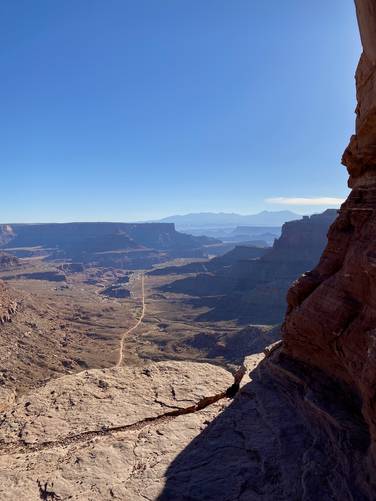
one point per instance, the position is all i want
(169, 431)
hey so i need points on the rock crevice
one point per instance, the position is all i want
(24, 446)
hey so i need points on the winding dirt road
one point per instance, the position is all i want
(136, 325)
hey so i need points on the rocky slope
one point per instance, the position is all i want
(8, 305)
(240, 286)
(332, 310)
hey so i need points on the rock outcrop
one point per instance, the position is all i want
(360, 155)
(169, 432)
(8, 305)
(107, 434)
(7, 261)
(331, 320)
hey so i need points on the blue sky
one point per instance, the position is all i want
(133, 109)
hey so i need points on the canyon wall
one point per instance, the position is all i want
(121, 245)
(331, 318)
(360, 155)
(75, 237)
(249, 284)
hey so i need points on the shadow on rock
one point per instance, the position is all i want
(265, 447)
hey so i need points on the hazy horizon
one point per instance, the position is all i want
(176, 215)
(137, 110)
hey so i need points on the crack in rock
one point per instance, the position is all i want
(22, 447)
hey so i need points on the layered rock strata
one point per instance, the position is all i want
(331, 319)
(252, 287)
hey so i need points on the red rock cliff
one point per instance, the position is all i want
(331, 318)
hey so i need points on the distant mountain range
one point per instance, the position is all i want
(223, 219)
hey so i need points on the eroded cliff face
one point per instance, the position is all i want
(250, 284)
(360, 155)
(331, 318)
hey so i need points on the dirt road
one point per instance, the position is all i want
(136, 325)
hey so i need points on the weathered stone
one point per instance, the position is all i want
(146, 434)
(331, 320)
(105, 434)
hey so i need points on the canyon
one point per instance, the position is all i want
(250, 284)
(108, 398)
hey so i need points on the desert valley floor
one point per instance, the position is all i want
(64, 327)
(134, 398)
(67, 340)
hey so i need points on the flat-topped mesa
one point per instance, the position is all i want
(106, 244)
(331, 318)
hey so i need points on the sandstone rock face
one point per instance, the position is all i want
(302, 241)
(360, 155)
(331, 320)
(168, 432)
(106, 434)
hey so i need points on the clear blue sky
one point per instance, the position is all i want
(132, 109)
